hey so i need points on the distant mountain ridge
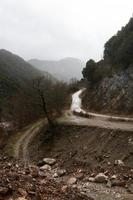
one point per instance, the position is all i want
(15, 72)
(64, 69)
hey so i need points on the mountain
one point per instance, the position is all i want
(64, 69)
(14, 73)
(110, 81)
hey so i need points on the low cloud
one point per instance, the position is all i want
(48, 29)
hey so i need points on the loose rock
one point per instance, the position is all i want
(101, 178)
(72, 181)
(45, 167)
(119, 163)
(49, 161)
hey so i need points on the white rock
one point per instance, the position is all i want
(64, 188)
(72, 181)
(45, 167)
(55, 175)
(49, 161)
(113, 177)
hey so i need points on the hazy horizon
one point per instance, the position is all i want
(53, 30)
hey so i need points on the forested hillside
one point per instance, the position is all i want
(110, 81)
(14, 72)
(119, 49)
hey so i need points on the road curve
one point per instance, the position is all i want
(77, 107)
(94, 119)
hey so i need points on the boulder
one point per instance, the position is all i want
(45, 168)
(101, 178)
(109, 184)
(61, 172)
(113, 177)
(72, 181)
(49, 161)
(119, 163)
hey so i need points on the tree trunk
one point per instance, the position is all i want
(46, 112)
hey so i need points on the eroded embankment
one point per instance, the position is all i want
(87, 146)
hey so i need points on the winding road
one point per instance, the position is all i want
(94, 120)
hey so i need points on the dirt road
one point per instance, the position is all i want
(77, 107)
(97, 191)
(21, 147)
(70, 118)
(94, 119)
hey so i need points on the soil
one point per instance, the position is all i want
(84, 147)
(20, 183)
(89, 147)
(91, 151)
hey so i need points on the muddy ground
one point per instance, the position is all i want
(83, 152)
(87, 146)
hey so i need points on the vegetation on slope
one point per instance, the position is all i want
(118, 56)
(14, 72)
(110, 81)
(19, 100)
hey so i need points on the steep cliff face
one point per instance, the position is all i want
(114, 95)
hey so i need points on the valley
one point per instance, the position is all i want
(82, 148)
(66, 120)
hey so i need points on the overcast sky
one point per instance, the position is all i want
(54, 29)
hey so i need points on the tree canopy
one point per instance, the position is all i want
(118, 56)
(119, 49)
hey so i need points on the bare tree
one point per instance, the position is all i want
(39, 98)
(41, 86)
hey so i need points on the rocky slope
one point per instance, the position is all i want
(19, 182)
(112, 95)
(76, 163)
(110, 81)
